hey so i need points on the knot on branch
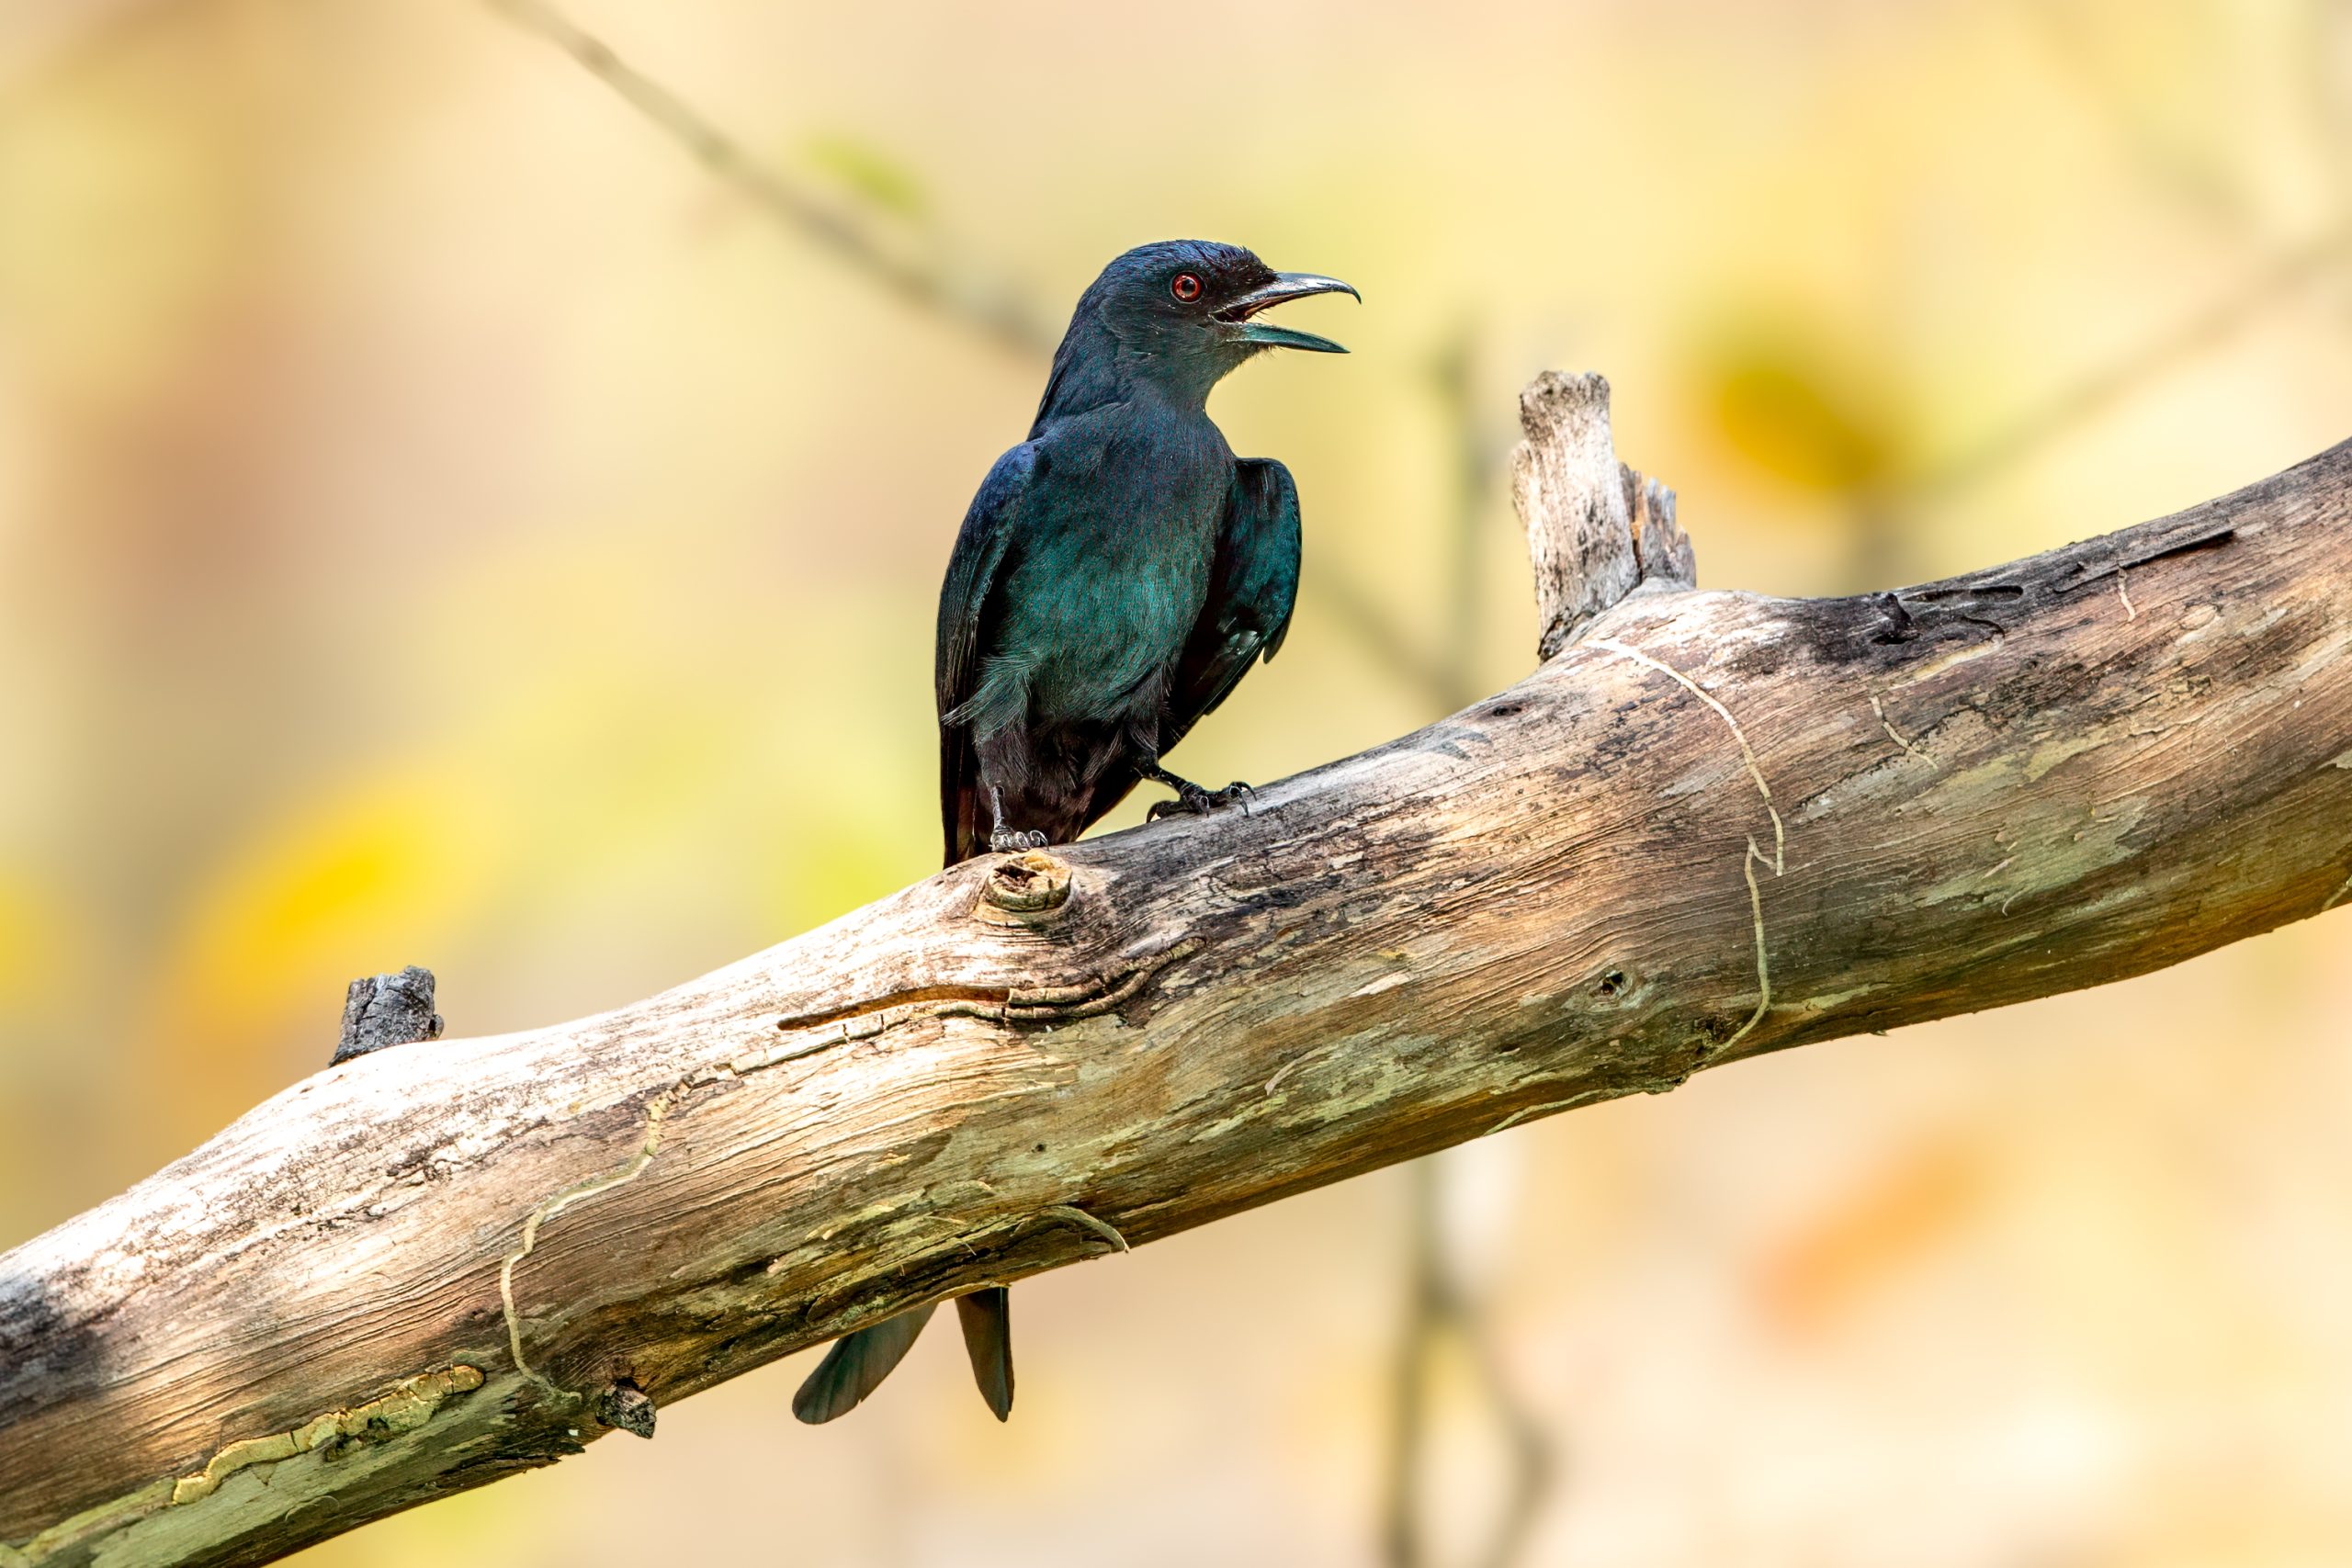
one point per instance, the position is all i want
(1025, 889)
(387, 1009)
(1596, 530)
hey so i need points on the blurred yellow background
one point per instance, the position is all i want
(440, 524)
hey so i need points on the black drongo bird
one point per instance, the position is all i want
(1116, 576)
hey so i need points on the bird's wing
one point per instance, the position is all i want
(978, 564)
(1251, 587)
(1252, 581)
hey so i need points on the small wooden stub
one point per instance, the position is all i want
(626, 1407)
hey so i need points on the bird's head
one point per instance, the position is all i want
(1185, 314)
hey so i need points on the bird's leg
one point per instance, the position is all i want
(1002, 839)
(1191, 798)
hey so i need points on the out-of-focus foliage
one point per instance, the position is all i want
(1796, 418)
(868, 172)
(438, 526)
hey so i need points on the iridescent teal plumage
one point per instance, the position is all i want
(1120, 569)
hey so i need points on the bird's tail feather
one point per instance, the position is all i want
(858, 1362)
(856, 1365)
(986, 1318)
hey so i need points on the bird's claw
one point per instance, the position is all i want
(1191, 800)
(1005, 841)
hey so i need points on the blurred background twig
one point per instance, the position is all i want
(1439, 1303)
(945, 279)
(956, 287)
(2032, 430)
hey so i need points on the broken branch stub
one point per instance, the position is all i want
(626, 1407)
(387, 1009)
(1596, 529)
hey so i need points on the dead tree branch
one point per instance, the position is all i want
(1712, 826)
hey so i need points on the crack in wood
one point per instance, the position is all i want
(408, 1404)
(1969, 591)
(1009, 1005)
(2115, 564)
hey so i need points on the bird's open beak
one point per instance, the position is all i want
(1285, 286)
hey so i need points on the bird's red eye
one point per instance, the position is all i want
(1185, 287)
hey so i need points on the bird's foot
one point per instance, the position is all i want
(1005, 841)
(1191, 800)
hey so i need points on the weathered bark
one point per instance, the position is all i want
(1713, 826)
(380, 1010)
(1596, 530)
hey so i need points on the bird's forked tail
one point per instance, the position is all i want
(858, 1362)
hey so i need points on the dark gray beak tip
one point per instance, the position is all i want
(1299, 285)
(1283, 287)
